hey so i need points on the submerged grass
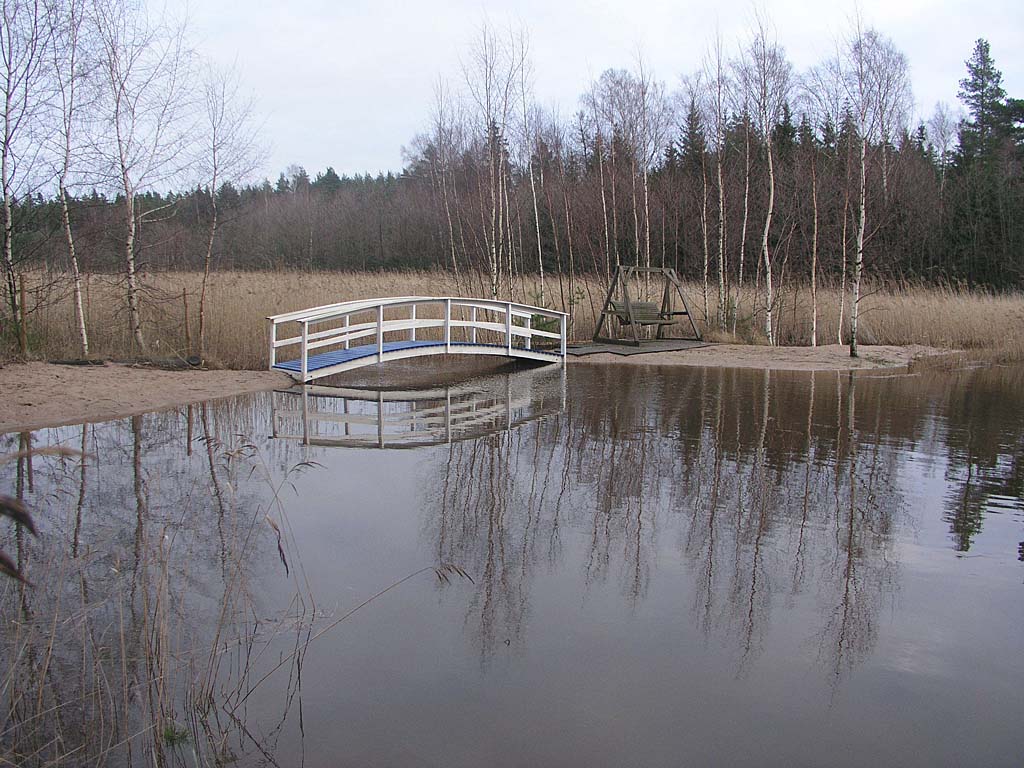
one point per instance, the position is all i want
(947, 317)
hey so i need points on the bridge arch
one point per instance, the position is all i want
(353, 334)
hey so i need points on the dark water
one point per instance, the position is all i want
(628, 567)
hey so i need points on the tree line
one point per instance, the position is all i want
(748, 178)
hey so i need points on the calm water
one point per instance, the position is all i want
(628, 567)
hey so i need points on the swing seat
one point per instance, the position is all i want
(644, 313)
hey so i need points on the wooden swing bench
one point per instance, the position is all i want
(644, 313)
(637, 314)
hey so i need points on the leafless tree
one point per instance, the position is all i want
(655, 114)
(491, 73)
(229, 153)
(448, 142)
(694, 96)
(765, 75)
(890, 94)
(73, 55)
(631, 111)
(528, 141)
(146, 75)
(942, 132)
(612, 122)
(716, 75)
(874, 75)
(24, 44)
(822, 94)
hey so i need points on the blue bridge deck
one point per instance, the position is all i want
(339, 356)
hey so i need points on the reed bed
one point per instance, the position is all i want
(237, 302)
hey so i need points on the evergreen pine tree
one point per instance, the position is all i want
(983, 95)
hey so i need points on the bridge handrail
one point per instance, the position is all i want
(510, 328)
(344, 306)
(335, 311)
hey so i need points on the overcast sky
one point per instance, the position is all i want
(347, 84)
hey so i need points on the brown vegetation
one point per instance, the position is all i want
(950, 318)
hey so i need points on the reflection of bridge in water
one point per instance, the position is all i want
(410, 418)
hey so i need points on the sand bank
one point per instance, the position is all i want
(36, 395)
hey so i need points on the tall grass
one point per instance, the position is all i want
(946, 317)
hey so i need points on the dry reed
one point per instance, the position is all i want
(946, 317)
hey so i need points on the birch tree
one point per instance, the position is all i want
(765, 76)
(655, 117)
(73, 62)
(875, 81)
(942, 130)
(528, 143)
(24, 47)
(145, 71)
(491, 74)
(718, 85)
(823, 95)
(229, 153)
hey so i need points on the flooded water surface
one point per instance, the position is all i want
(609, 566)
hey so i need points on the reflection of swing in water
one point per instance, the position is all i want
(622, 309)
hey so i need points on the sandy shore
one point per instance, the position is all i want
(830, 357)
(36, 395)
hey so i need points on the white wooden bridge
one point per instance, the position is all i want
(353, 334)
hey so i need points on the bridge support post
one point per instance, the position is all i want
(272, 337)
(380, 333)
(304, 366)
(562, 325)
(508, 330)
(412, 316)
(447, 325)
(472, 319)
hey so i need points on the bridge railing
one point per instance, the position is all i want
(456, 320)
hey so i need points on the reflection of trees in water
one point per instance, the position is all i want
(861, 571)
(985, 471)
(781, 492)
(142, 627)
(493, 527)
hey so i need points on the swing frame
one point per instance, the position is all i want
(637, 314)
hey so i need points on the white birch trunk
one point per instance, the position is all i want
(765, 254)
(814, 255)
(858, 262)
(743, 227)
(76, 274)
